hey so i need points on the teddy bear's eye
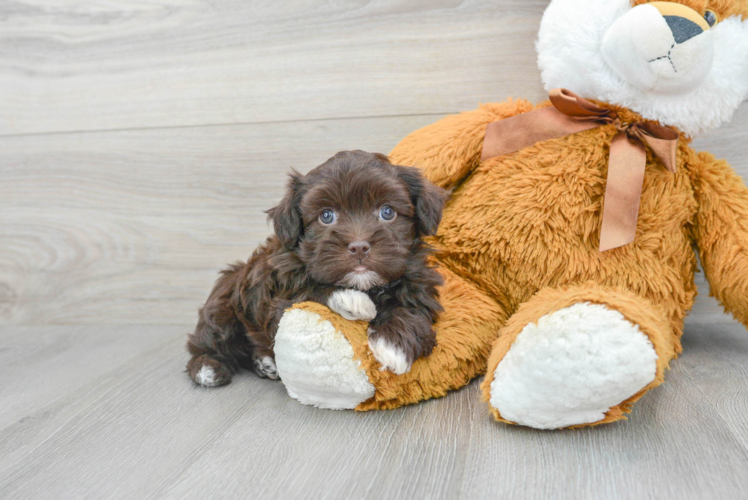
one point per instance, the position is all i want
(710, 17)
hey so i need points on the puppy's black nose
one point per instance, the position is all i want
(359, 248)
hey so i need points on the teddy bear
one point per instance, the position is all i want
(567, 247)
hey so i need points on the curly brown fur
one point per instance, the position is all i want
(309, 258)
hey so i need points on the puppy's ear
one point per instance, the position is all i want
(426, 197)
(382, 158)
(286, 217)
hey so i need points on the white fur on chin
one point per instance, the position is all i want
(362, 280)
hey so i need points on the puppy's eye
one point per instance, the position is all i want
(328, 216)
(710, 17)
(387, 213)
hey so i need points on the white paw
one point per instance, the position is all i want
(206, 376)
(571, 367)
(265, 366)
(352, 305)
(389, 356)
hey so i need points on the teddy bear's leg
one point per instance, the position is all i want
(324, 360)
(577, 356)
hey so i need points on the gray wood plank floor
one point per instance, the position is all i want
(140, 143)
(107, 412)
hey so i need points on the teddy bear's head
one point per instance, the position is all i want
(682, 62)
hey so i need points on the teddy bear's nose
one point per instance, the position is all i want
(682, 28)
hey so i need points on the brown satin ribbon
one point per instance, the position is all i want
(571, 114)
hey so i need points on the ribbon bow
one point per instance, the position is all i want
(571, 114)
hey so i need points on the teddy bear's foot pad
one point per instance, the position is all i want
(316, 364)
(571, 367)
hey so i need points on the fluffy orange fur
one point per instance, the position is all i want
(519, 240)
(638, 310)
(721, 231)
(464, 335)
(723, 8)
(530, 220)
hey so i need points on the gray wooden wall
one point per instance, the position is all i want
(140, 142)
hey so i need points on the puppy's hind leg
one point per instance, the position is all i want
(263, 357)
(208, 372)
(219, 345)
(215, 357)
(213, 363)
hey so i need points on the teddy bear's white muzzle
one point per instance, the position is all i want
(660, 47)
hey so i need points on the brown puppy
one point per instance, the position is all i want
(348, 235)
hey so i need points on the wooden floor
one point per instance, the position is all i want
(140, 143)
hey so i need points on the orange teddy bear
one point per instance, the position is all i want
(567, 245)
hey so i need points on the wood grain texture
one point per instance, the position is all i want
(88, 65)
(131, 227)
(718, 365)
(111, 414)
(140, 143)
(674, 445)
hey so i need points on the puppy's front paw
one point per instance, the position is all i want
(390, 356)
(352, 304)
(265, 367)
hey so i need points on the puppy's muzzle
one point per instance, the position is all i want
(660, 47)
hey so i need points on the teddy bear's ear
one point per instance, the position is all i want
(286, 217)
(427, 199)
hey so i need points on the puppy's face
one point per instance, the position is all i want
(356, 219)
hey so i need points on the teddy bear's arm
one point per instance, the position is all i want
(722, 231)
(448, 150)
